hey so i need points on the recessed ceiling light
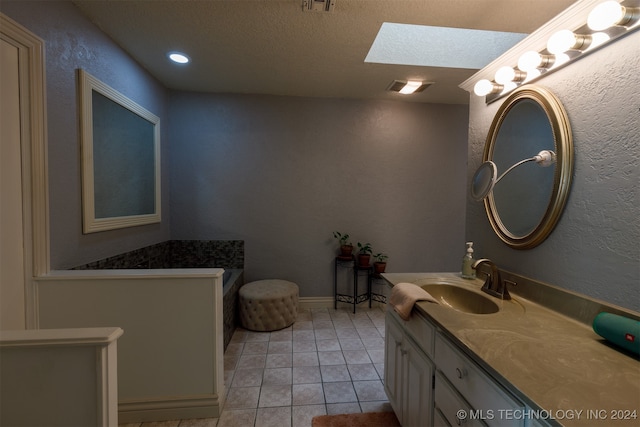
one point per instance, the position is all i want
(178, 57)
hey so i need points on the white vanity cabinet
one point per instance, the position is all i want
(479, 400)
(430, 382)
(408, 371)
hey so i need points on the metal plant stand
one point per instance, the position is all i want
(358, 271)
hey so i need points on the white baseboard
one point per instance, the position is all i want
(307, 303)
(136, 411)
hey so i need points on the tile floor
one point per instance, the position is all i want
(328, 362)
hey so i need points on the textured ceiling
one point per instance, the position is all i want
(273, 47)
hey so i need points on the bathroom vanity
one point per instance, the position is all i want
(521, 364)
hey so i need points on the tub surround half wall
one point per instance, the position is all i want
(165, 316)
(180, 254)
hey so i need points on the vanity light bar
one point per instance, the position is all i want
(607, 21)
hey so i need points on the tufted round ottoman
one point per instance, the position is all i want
(268, 305)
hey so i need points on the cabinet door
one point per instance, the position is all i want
(417, 392)
(393, 364)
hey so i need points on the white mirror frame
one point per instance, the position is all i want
(91, 224)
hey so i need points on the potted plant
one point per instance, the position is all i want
(346, 248)
(364, 254)
(380, 263)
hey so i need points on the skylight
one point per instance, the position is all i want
(405, 44)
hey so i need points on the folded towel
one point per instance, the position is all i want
(404, 296)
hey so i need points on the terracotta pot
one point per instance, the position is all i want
(363, 260)
(379, 267)
(346, 251)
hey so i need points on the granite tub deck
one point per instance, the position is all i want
(550, 361)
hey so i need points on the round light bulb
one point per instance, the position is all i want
(483, 87)
(178, 57)
(530, 60)
(505, 75)
(561, 41)
(605, 15)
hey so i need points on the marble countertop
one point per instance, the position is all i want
(550, 361)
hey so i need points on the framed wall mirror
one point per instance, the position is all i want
(120, 142)
(525, 206)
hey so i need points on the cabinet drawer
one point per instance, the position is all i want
(422, 331)
(439, 420)
(451, 405)
(477, 388)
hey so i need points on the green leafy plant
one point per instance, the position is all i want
(380, 257)
(364, 248)
(342, 238)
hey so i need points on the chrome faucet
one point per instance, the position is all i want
(493, 284)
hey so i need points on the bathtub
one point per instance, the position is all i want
(233, 279)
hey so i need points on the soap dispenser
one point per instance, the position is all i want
(467, 263)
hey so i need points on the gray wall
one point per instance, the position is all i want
(72, 42)
(594, 249)
(283, 173)
(280, 173)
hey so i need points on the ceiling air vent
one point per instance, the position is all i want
(408, 86)
(318, 5)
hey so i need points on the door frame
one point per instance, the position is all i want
(33, 148)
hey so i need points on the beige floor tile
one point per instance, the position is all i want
(381, 406)
(304, 346)
(331, 358)
(237, 418)
(305, 359)
(306, 374)
(347, 333)
(274, 417)
(304, 325)
(363, 372)
(351, 344)
(282, 335)
(279, 360)
(328, 345)
(242, 398)
(301, 416)
(323, 324)
(343, 408)
(334, 373)
(307, 394)
(340, 392)
(247, 378)
(249, 361)
(280, 347)
(253, 336)
(325, 334)
(304, 335)
(376, 356)
(275, 395)
(259, 347)
(368, 391)
(277, 376)
(199, 422)
(170, 423)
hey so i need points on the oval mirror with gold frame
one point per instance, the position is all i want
(525, 206)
